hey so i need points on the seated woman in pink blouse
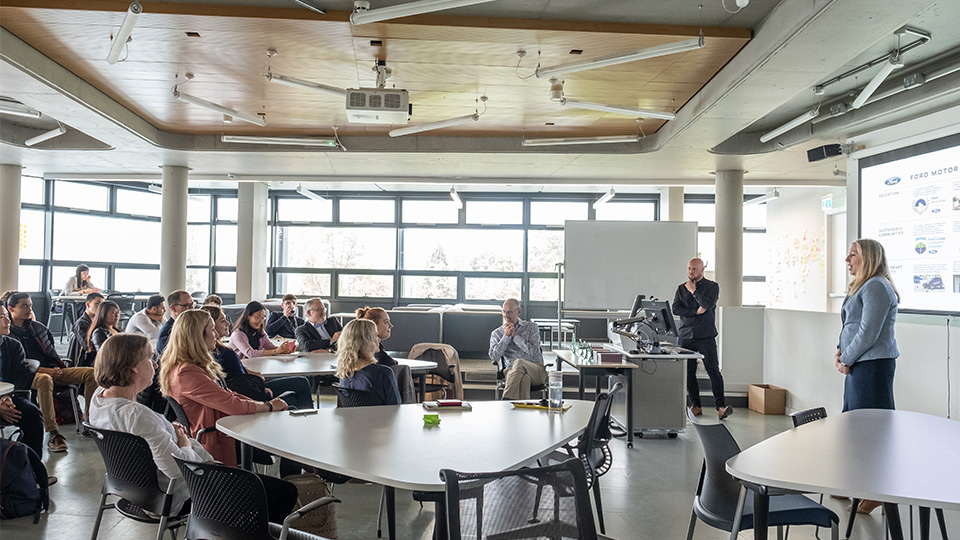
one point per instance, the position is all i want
(249, 338)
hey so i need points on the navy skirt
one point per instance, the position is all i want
(869, 385)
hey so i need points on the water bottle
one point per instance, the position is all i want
(555, 388)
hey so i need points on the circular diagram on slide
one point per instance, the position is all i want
(920, 206)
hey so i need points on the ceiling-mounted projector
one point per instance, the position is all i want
(377, 106)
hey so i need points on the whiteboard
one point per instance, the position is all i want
(608, 263)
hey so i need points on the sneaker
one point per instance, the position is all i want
(696, 411)
(724, 412)
(57, 443)
(84, 432)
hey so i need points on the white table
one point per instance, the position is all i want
(390, 445)
(891, 456)
(5, 388)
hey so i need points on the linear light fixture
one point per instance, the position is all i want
(155, 188)
(455, 197)
(610, 139)
(253, 119)
(363, 14)
(604, 199)
(871, 87)
(642, 54)
(123, 34)
(309, 194)
(284, 141)
(409, 130)
(309, 6)
(60, 130)
(309, 85)
(18, 109)
(763, 199)
(643, 113)
(803, 118)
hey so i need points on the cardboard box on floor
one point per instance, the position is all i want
(767, 399)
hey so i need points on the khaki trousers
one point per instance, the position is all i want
(43, 384)
(520, 376)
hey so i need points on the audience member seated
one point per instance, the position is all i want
(106, 323)
(81, 327)
(213, 300)
(124, 367)
(230, 362)
(357, 365)
(248, 337)
(318, 334)
(384, 331)
(517, 342)
(285, 323)
(16, 408)
(149, 320)
(38, 345)
(177, 303)
(80, 283)
(190, 375)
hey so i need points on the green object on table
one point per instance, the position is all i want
(431, 419)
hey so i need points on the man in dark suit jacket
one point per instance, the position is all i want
(319, 333)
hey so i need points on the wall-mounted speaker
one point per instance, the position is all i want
(823, 152)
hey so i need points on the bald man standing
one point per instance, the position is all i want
(696, 305)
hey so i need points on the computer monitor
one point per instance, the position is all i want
(660, 318)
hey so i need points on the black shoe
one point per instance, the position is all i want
(724, 412)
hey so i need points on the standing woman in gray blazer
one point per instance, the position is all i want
(867, 351)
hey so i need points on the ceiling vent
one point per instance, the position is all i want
(377, 106)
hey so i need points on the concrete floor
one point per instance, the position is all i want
(647, 494)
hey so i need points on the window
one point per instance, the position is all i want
(227, 209)
(198, 279)
(705, 246)
(78, 237)
(543, 289)
(304, 210)
(556, 212)
(754, 293)
(226, 239)
(76, 195)
(198, 208)
(140, 203)
(463, 250)
(365, 285)
(494, 212)
(703, 213)
(226, 283)
(136, 280)
(367, 211)
(755, 216)
(428, 212)
(61, 274)
(31, 189)
(428, 287)
(31, 234)
(328, 247)
(198, 245)
(28, 278)
(626, 211)
(755, 254)
(545, 250)
(303, 284)
(491, 288)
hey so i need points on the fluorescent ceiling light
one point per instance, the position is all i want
(642, 54)
(365, 15)
(612, 139)
(605, 199)
(286, 141)
(309, 6)
(643, 113)
(60, 130)
(253, 119)
(455, 197)
(888, 67)
(309, 194)
(309, 85)
(18, 109)
(409, 130)
(803, 118)
(123, 34)
(773, 195)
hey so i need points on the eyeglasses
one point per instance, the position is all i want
(506, 312)
(188, 304)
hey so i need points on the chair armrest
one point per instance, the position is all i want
(287, 393)
(296, 514)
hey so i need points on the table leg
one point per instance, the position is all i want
(440, 519)
(599, 378)
(893, 520)
(629, 409)
(761, 509)
(580, 376)
(422, 381)
(391, 499)
(246, 457)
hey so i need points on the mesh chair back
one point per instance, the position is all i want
(720, 490)
(357, 398)
(592, 446)
(248, 385)
(179, 413)
(550, 502)
(805, 417)
(226, 502)
(131, 471)
(125, 302)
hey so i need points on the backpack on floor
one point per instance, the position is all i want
(23, 488)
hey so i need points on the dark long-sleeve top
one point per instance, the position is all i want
(279, 324)
(868, 317)
(164, 336)
(377, 379)
(15, 368)
(229, 361)
(99, 337)
(80, 329)
(383, 358)
(37, 343)
(685, 305)
(309, 338)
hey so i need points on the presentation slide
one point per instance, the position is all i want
(912, 206)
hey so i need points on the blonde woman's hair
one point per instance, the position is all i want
(117, 358)
(357, 347)
(187, 346)
(874, 265)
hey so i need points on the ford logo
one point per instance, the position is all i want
(932, 251)
(892, 181)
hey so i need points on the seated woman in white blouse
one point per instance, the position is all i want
(124, 367)
(80, 283)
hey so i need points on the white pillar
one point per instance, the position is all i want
(729, 237)
(173, 230)
(10, 225)
(672, 200)
(252, 247)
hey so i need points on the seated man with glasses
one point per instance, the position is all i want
(319, 333)
(517, 342)
(178, 302)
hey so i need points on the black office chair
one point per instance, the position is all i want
(347, 397)
(499, 505)
(502, 381)
(252, 387)
(722, 502)
(593, 448)
(174, 405)
(125, 302)
(132, 476)
(232, 503)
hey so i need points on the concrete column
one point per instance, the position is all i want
(253, 251)
(173, 230)
(673, 203)
(10, 224)
(729, 237)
